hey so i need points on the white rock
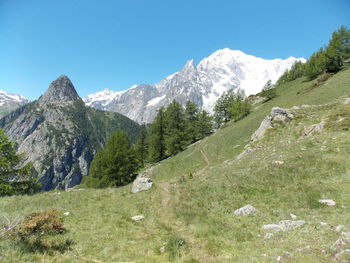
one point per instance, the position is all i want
(141, 184)
(268, 236)
(323, 223)
(66, 213)
(293, 217)
(245, 210)
(137, 218)
(279, 259)
(339, 228)
(278, 162)
(328, 202)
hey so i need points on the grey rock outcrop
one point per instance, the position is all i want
(315, 128)
(245, 210)
(141, 184)
(277, 115)
(60, 135)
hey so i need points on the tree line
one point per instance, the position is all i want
(328, 59)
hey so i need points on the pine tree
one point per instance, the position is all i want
(141, 146)
(239, 107)
(221, 108)
(338, 49)
(14, 177)
(191, 122)
(157, 148)
(269, 90)
(114, 166)
(175, 138)
(205, 124)
(316, 65)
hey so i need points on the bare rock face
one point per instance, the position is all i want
(60, 135)
(141, 184)
(245, 210)
(277, 115)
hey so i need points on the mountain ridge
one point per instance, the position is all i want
(203, 84)
(59, 134)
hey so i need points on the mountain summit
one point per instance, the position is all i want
(60, 90)
(203, 84)
(60, 135)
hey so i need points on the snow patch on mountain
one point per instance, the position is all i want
(10, 97)
(155, 101)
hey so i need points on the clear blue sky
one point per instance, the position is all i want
(117, 43)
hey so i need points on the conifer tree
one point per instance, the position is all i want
(157, 148)
(191, 122)
(114, 166)
(205, 124)
(141, 146)
(175, 138)
(14, 177)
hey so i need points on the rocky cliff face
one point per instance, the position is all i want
(60, 135)
(203, 84)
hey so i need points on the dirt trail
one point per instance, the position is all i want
(206, 159)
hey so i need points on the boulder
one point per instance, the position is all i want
(137, 218)
(328, 202)
(277, 115)
(141, 184)
(245, 210)
(284, 225)
(308, 131)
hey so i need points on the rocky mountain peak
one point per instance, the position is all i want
(60, 90)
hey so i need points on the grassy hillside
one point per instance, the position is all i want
(188, 212)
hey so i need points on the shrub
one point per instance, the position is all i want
(42, 232)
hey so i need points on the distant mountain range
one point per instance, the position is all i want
(10, 102)
(203, 84)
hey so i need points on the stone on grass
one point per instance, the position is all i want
(245, 210)
(66, 213)
(342, 240)
(277, 115)
(293, 217)
(339, 228)
(245, 153)
(268, 236)
(137, 218)
(284, 225)
(310, 130)
(328, 202)
(323, 223)
(141, 184)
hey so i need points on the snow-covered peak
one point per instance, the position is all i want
(103, 97)
(10, 97)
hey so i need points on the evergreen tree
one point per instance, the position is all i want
(141, 146)
(231, 106)
(221, 108)
(316, 65)
(157, 148)
(14, 178)
(269, 90)
(205, 124)
(175, 138)
(239, 107)
(114, 166)
(338, 49)
(191, 122)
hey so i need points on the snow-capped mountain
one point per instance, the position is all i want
(9, 102)
(203, 84)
